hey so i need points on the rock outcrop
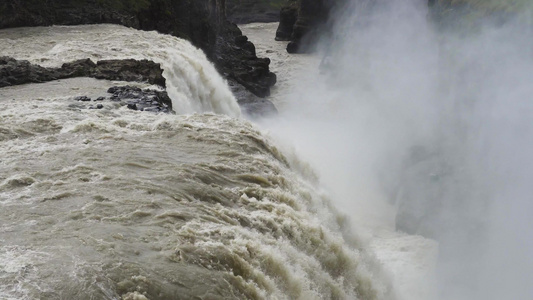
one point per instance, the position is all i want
(253, 11)
(301, 21)
(288, 17)
(202, 22)
(14, 72)
(141, 99)
(134, 98)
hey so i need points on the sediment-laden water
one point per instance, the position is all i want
(121, 204)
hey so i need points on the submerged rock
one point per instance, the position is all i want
(133, 97)
(251, 105)
(141, 99)
(15, 72)
(82, 98)
(116, 69)
(288, 17)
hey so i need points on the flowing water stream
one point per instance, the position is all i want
(122, 204)
(392, 124)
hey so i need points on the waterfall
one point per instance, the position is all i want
(193, 83)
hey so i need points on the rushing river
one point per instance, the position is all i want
(393, 125)
(122, 204)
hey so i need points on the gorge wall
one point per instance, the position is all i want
(301, 22)
(253, 11)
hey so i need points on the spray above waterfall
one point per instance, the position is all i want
(435, 123)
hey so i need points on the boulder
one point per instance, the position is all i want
(302, 21)
(253, 11)
(288, 17)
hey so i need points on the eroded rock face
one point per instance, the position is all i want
(15, 72)
(288, 17)
(252, 106)
(253, 11)
(203, 22)
(134, 98)
(302, 21)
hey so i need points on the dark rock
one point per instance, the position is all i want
(288, 17)
(100, 99)
(82, 98)
(15, 72)
(253, 11)
(241, 40)
(302, 21)
(141, 99)
(251, 105)
(134, 98)
(131, 70)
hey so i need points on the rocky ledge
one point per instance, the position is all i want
(301, 22)
(14, 72)
(134, 98)
(253, 11)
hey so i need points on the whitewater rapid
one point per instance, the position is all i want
(123, 204)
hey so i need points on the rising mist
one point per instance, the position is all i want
(433, 123)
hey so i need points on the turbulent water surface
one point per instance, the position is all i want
(122, 204)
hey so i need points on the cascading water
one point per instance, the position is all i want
(192, 81)
(122, 204)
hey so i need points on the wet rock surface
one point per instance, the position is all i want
(302, 21)
(15, 72)
(134, 98)
(253, 11)
(288, 17)
(251, 105)
(243, 66)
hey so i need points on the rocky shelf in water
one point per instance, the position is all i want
(133, 97)
(15, 72)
